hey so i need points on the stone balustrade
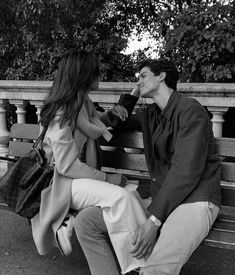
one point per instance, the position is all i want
(217, 97)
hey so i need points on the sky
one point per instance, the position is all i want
(134, 44)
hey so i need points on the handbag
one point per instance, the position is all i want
(21, 185)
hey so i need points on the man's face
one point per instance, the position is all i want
(148, 83)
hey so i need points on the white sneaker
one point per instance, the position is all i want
(64, 234)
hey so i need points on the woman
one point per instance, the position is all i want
(73, 125)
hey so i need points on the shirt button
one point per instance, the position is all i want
(154, 179)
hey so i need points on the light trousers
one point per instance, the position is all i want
(122, 214)
(180, 235)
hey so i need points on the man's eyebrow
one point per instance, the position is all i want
(141, 74)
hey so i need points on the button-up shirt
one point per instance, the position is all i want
(180, 152)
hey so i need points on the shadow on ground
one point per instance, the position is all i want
(18, 255)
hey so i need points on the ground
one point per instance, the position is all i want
(18, 255)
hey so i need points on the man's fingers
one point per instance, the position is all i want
(148, 252)
(136, 245)
(141, 251)
(134, 238)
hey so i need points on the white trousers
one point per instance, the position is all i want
(122, 212)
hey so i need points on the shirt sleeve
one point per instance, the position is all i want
(187, 163)
(66, 153)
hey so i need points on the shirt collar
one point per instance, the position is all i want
(172, 102)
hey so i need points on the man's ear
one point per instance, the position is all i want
(162, 76)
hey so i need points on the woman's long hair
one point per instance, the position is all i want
(77, 71)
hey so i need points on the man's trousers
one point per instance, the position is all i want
(180, 235)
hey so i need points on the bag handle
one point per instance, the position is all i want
(40, 138)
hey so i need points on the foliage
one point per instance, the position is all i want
(206, 43)
(37, 32)
(199, 35)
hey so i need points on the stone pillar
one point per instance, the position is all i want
(217, 119)
(20, 109)
(4, 136)
(38, 104)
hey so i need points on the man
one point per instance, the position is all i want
(185, 178)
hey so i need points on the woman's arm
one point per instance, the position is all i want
(66, 154)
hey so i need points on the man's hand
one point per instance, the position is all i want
(119, 111)
(116, 179)
(144, 240)
(136, 91)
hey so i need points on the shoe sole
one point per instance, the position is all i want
(65, 251)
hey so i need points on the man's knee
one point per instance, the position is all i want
(88, 220)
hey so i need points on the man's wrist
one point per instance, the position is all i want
(155, 221)
(135, 91)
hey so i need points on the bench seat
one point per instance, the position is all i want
(124, 154)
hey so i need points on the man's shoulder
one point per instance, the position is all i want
(191, 107)
(189, 102)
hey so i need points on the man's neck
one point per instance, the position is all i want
(162, 97)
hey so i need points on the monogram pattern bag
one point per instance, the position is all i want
(21, 185)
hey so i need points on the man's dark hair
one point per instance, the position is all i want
(162, 65)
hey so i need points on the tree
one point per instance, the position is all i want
(36, 33)
(198, 35)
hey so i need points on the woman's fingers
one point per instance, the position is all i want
(119, 111)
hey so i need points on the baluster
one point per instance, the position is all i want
(217, 119)
(20, 109)
(4, 136)
(38, 104)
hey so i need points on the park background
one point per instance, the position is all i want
(199, 35)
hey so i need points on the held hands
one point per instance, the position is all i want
(116, 179)
(144, 240)
(119, 111)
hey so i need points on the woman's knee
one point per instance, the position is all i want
(123, 194)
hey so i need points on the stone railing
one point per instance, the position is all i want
(217, 97)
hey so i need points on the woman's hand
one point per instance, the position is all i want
(119, 111)
(116, 179)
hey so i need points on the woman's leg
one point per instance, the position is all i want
(122, 214)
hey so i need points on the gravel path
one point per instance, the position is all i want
(18, 255)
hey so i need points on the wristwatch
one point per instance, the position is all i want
(155, 221)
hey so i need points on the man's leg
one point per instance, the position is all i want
(122, 213)
(93, 237)
(181, 234)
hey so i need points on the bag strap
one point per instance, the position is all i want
(40, 138)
